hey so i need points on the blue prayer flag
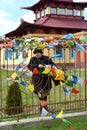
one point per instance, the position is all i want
(68, 36)
(79, 47)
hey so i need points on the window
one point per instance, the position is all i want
(71, 53)
(53, 10)
(69, 11)
(62, 11)
(45, 11)
(8, 54)
(38, 15)
(60, 51)
(42, 13)
(16, 55)
(23, 54)
(77, 12)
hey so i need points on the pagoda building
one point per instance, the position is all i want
(53, 17)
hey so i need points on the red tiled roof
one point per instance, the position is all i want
(69, 23)
(43, 2)
(60, 22)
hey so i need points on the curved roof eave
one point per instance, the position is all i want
(40, 3)
(23, 25)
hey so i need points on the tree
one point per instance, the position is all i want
(14, 99)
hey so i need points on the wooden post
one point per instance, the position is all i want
(0, 84)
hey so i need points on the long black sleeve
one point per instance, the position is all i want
(34, 62)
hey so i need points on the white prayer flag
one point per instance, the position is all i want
(44, 112)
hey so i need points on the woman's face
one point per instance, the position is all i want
(38, 55)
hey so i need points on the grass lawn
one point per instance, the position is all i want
(56, 94)
(78, 123)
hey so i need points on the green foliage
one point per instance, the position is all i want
(14, 99)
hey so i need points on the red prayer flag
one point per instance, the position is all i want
(9, 45)
(43, 103)
(35, 71)
(52, 69)
(26, 55)
(70, 128)
(7, 40)
(85, 81)
(75, 91)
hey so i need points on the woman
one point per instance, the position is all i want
(42, 82)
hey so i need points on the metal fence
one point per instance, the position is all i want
(58, 97)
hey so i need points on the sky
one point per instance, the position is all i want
(11, 14)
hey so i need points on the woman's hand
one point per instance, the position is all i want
(41, 66)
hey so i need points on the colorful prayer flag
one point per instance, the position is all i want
(43, 103)
(53, 116)
(23, 83)
(74, 91)
(68, 123)
(66, 91)
(22, 74)
(70, 128)
(75, 79)
(20, 66)
(70, 78)
(80, 81)
(85, 81)
(83, 39)
(79, 47)
(61, 84)
(9, 45)
(14, 75)
(26, 55)
(49, 46)
(60, 114)
(67, 36)
(35, 71)
(69, 83)
(31, 87)
(9, 78)
(46, 71)
(44, 112)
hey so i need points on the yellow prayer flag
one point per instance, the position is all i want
(70, 77)
(14, 75)
(31, 87)
(61, 83)
(46, 71)
(60, 114)
(41, 46)
(59, 74)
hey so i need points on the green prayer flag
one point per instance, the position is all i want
(70, 83)
(83, 39)
(66, 122)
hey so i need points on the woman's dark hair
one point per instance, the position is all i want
(37, 51)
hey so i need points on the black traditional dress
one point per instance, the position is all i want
(42, 82)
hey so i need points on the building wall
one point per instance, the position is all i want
(13, 63)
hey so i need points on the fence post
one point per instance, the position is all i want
(85, 56)
(0, 84)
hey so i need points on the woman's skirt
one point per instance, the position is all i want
(42, 84)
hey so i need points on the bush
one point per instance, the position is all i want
(14, 99)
